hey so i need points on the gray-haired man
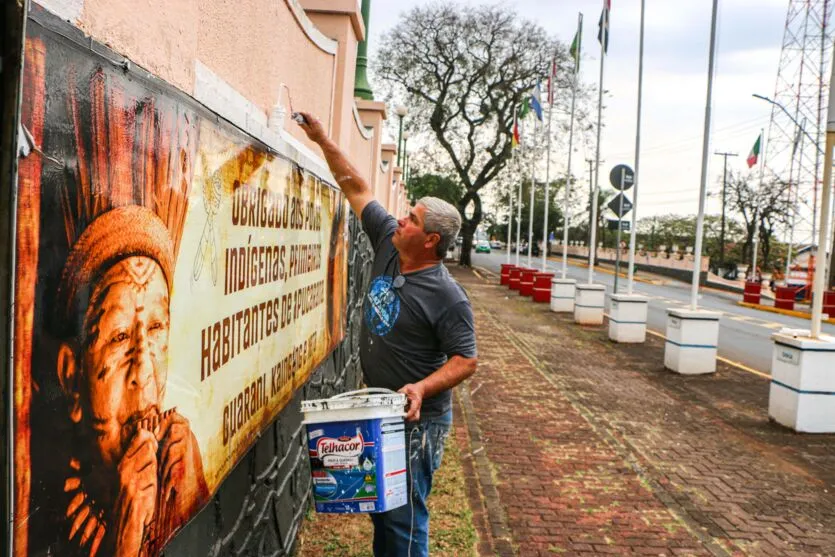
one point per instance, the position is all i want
(417, 337)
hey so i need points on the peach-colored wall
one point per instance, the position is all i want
(239, 52)
(386, 177)
(255, 45)
(361, 151)
(346, 7)
(339, 28)
(159, 35)
(372, 114)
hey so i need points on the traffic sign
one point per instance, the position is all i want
(625, 225)
(615, 205)
(622, 172)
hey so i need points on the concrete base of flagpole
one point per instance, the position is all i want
(589, 301)
(802, 393)
(563, 292)
(692, 341)
(628, 318)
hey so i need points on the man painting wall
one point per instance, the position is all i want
(418, 335)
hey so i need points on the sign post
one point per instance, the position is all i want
(621, 177)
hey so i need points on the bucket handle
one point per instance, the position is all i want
(368, 391)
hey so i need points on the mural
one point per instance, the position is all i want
(176, 283)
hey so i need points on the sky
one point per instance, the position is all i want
(677, 35)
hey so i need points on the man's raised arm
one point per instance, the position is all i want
(348, 178)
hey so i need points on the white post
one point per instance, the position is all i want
(568, 170)
(518, 211)
(533, 186)
(700, 220)
(794, 203)
(757, 209)
(547, 185)
(823, 235)
(595, 193)
(801, 365)
(510, 217)
(633, 233)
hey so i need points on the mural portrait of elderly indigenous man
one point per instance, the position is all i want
(136, 472)
(176, 282)
(120, 472)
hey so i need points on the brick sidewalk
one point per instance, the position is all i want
(576, 445)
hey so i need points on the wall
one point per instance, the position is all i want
(241, 59)
(681, 269)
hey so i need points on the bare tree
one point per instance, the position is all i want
(762, 209)
(463, 71)
(775, 212)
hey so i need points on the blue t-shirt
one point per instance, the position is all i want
(411, 325)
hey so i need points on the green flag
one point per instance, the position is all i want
(754, 155)
(525, 108)
(576, 45)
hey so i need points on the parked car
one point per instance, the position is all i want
(482, 246)
(495, 244)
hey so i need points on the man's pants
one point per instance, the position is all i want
(395, 530)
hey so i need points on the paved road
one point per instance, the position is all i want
(744, 334)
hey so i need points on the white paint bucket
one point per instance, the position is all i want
(357, 447)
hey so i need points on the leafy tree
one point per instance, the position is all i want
(670, 230)
(435, 185)
(463, 71)
(555, 218)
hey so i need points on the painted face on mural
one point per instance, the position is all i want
(124, 352)
(115, 381)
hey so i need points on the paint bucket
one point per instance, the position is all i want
(357, 447)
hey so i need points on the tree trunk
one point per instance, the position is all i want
(467, 231)
(766, 236)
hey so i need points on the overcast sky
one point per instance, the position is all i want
(675, 83)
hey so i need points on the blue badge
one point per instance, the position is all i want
(382, 306)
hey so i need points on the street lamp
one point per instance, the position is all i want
(801, 128)
(401, 111)
(405, 157)
(786, 112)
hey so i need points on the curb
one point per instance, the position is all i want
(603, 270)
(789, 312)
(500, 540)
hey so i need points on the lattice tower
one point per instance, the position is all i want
(802, 88)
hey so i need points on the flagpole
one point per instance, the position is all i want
(754, 258)
(548, 169)
(518, 209)
(825, 215)
(533, 185)
(570, 151)
(700, 220)
(595, 193)
(547, 190)
(510, 214)
(633, 235)
(796, 201)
